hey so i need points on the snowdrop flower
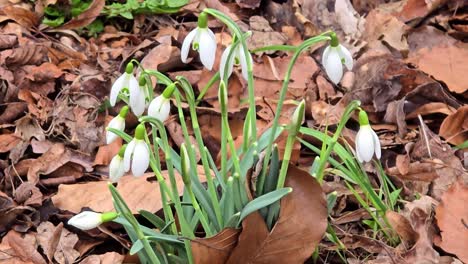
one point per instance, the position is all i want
(333, 59)
(203, 40)
(298, 117)
(138, 97)
(136, 154)
(126, 80)
(160, 107)
(116, 166)
(367, 141)
(118, 123)
(88, 220)
(238, 57)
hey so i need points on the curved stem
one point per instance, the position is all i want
(305, 45)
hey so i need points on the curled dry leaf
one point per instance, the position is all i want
(454, 128)
(216, 249)
(109, 257)
(300, 227)
(8, 142)
(87, 17)
(56, 157)
(22, 16)
(402, 227)
(445, 63)
(16, 248)
(452, 219)
(137, 192)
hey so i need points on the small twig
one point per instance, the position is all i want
(425, 135)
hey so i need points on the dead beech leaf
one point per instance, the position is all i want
(300, 227)
(445, 63)
(42, 73)
(216, 249)
(87, 17)
(109, 257)
(137, 192)
(29, 54)
(8, 141)
(48, 237)
(28, 194)
(27, 128)
(263, 35)
(454, 128)
(384, 30)
(24, 17)
(22, 249)
(402, 226)
(418, 9)
(56, 157)
(452, 219)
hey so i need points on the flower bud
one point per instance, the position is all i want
(185, 160)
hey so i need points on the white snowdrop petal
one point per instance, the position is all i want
(224, 63)
(128, 155)
(117, 87)
(186, 45)
(365, 143)
(325, 55)
(346, 55)
(118, 123)
(212, 35)
(86, 220)
(159, 108)
(377, 150)
(165, 110)
(135, 92)
(141, 159)
(116, 168)
(207, 49)
(138, 103)
(333, 66)
(243, 62)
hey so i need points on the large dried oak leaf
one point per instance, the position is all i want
(452, 219)
(300, 227)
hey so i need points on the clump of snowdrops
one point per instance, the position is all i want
(224, 202)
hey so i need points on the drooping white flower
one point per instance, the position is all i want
(126, 80)
(333, 58)
(367, 141)
(159, 108)
(118, 123)
(238, 57)
(202, 39)
(137, 154)
(138, 99)
(116, 166)
(88, 220)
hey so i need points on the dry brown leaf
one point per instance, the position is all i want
(28, 194)
(445, 63)
(385, 29)
(402, 227)
(27, 128)
(454, 128)
(22, 249)
(106, 152)
(48, 237)
(452, 219)
(418, 9)
(137, 192)
(263, 35)
(24, 17)
(107, 258)
(8, 141)
(29, 54)
(8, 41)
(87, 17)
(12, 112)
(43, 73)
(216, 249)
(56, 157)
(300, 227)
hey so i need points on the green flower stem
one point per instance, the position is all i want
(286, 158)
(344, 119)
(185, 227)
(156, 147)
(210, 83)
(305, 45)
(206, 165)
(120, 205)
(250, 82)
(201, 216)
(275, 48)
(164, 189)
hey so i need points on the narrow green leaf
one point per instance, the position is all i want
(263, 201)
(136, 247)
(153, 219)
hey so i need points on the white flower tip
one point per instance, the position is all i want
(86, 220)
